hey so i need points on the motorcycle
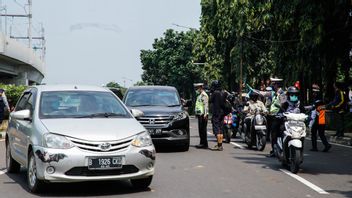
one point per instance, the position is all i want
(227, 127)
(256, 135)
(289, 147)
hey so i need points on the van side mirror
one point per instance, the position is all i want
(21, 115)
(137, 113)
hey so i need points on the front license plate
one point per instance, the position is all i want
(154, 131)
(105, 162)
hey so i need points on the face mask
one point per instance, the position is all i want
(293, 98)
(197, 92)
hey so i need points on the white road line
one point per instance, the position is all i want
(2, 140)
(237, 145)
(3, 171)
(305, 182)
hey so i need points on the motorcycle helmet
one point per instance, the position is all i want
(293, 94)
(215, 85)
(254, 96)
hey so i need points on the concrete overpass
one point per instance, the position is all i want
(19, 64)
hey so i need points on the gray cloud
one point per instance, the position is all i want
(104, 27)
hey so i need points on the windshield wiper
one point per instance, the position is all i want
(100, 115)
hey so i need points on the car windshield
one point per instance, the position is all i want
(80, 104)
(152, 97)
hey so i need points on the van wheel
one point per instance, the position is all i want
(34, 184)
(142, 184)
(11, 165)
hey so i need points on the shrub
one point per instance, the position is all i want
(13, 92)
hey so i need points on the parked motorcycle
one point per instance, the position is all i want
(256, 135)
(289, 147)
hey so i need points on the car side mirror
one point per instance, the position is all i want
(137, 113)
(21, 115)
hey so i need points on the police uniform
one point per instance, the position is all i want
(201, 111)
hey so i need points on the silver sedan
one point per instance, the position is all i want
(77, 133)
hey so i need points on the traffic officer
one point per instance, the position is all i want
(201, 111)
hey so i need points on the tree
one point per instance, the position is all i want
(170, 62)
(295, 40)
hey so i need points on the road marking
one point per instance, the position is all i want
(3, 171)
(237, 145)
(305, 182)
(2, 140)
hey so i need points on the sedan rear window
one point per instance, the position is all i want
(80, 104)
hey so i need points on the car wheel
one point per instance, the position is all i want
(11, 165)
(34, 184)
(142, 184)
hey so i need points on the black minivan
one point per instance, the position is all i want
(164, 115)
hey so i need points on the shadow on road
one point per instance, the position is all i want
(86, 189)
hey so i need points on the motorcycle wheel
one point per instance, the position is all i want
(227, 135)
(261, 142)
(295, 160)
(248, 141)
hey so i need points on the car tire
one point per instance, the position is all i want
(12, 166)
(142, 184)
(35, 185)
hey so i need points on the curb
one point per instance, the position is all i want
(347, 140)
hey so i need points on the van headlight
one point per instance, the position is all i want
(180, 116)
(56, 141)
(142, 140)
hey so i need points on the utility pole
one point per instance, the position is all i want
(30, 24)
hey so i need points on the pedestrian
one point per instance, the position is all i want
(277, 100)
(217, 101)
(201, 111)
(4, 105)
(339, 106)
(317, 125)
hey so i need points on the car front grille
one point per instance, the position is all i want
(97, 146)
(155, 120)
(84, 171)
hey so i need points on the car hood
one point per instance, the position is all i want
(94, 129)
(158, 110)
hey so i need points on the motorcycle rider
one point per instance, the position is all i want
(252, 105)
(277, 100)
(292, 104)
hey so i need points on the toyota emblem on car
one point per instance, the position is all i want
(105, 146)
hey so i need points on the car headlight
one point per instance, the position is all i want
(142, 140)
(56, 141)
(180, 116)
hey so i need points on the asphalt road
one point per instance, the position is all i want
(234, 172)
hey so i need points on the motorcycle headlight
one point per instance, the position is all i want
(259, 120)
(56, 141)
(142, 140)
(180, 116)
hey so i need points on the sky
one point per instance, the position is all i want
(98, 41)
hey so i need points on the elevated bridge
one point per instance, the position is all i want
(18, 63)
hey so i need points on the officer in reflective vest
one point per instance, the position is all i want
(201, 111)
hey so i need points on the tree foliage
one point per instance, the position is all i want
(13, 93)
(296, 40)
(170, 62)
